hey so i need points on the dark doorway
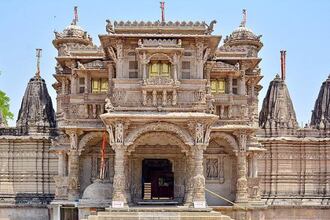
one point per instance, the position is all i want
(157, 179)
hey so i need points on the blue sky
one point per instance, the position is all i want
(300, 27)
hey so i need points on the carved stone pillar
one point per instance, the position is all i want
(119, 190)
(189, 178)
(241, 188)
(144, 61)
(199, 179)
(62, 166)
(73, 177)
(154, 97)
(73, 185)
(164, 97)
(110, 76)
(254, 165)
(144, 97)
(63, 91)
(242, 89)
(127, 178)
(174, 97)
(230, 84)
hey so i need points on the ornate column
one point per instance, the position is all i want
(230, 84)
(241, 187)
(189, 178)
(116, 137)
(199, 179)
(254, 165)
(62, 166)
(73, 177)
(144, 61)
(242, 89)
(73, 185)
(118, 194)
(175, 67)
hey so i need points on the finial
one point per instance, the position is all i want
(243, 22)
(162, 7)
(38, 55)
(283, 64)
(75, 15)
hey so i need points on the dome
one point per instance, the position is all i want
(72, 34)
(243, 36)
(74, 31)
(243, 33)
(100, 190)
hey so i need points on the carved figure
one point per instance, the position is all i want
(210, 27)
(108, 105)
(119, 134)
(199, 135)
(109, 27)
(74, 141)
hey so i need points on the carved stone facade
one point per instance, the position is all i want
(177, 111)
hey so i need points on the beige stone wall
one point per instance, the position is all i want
(295, 171)
(27, 169)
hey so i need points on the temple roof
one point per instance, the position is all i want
(157, 27)
(36, 107)
(277, 109)
(321, 113)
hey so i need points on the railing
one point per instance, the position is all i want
(227, 200)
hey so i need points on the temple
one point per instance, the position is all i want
(161, 119)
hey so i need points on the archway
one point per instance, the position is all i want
(220, 168)
(90, 159)
(157, 167)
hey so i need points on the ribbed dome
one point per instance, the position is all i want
(321, 112)
(243, 36)
(74, 31)
(97, 191)
(243, 33)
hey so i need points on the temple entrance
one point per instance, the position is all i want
(157, 179)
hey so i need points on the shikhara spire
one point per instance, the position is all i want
(38, 55)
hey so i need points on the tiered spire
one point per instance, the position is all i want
(321, 112)
(36, 114)
(277, 110)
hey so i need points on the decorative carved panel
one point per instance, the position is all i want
(214, 168)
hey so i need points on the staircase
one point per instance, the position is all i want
(147, 191)
(159, 213)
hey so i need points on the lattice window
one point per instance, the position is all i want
(157, 69)
(218, 86)
(100, 85)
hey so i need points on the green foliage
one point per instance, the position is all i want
(4, 107)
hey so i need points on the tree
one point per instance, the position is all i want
(4, 107)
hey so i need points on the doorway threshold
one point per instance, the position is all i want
(158, 202)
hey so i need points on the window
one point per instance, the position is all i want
(235, 86)
(81, 85)
(218, 86)
(185, 70)
(159, 69)
(133, 69)
(100, 85)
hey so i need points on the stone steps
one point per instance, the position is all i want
(159, 215)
